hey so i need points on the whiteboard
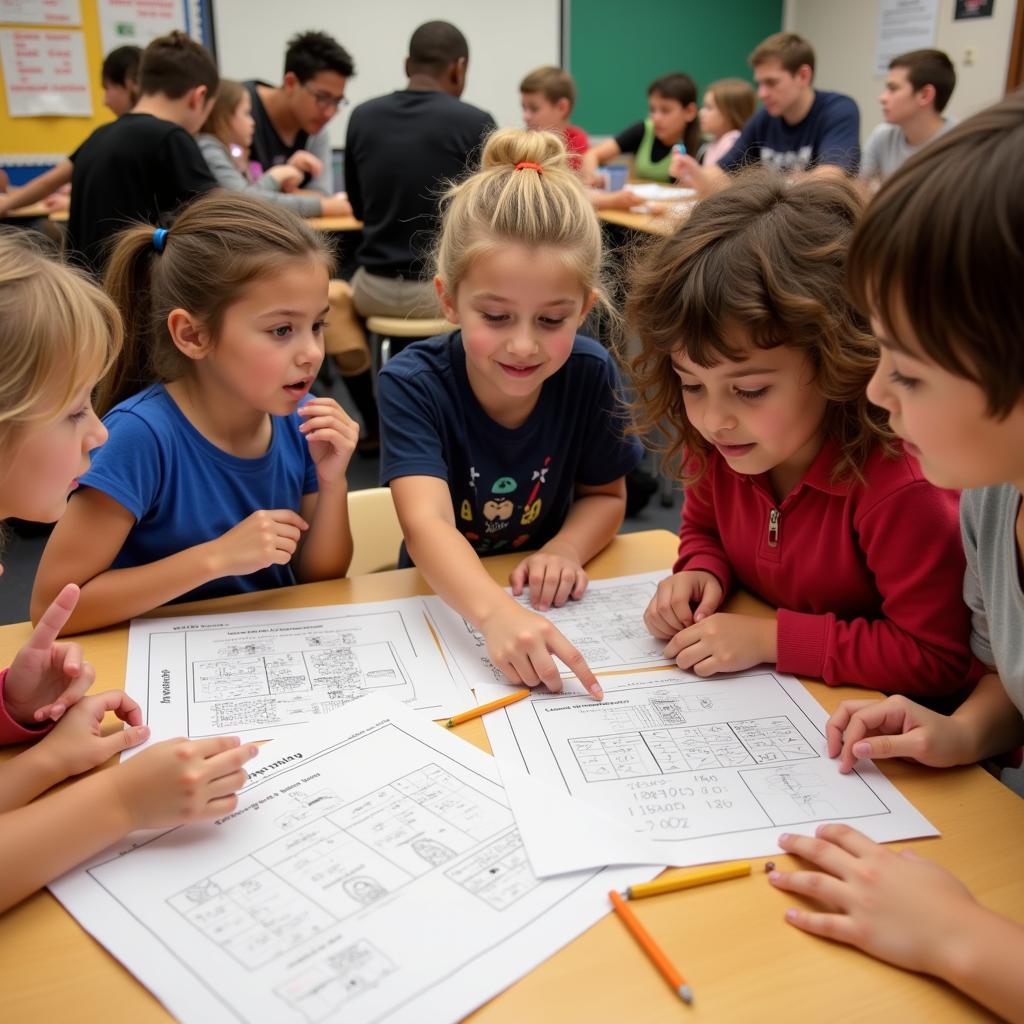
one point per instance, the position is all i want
(506, 40)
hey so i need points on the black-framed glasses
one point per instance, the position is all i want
(326, 100)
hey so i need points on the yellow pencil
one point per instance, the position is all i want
(702, 876)
(484, 708)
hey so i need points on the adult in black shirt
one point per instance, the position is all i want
(400, 152)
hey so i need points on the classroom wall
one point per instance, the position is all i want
(616, 49)
(844, 36)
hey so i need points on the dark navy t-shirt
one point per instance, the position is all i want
(829, 134)
(510, 488)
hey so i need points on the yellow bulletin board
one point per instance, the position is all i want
(53, 137)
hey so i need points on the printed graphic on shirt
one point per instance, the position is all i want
(491, 512)
(788, 160)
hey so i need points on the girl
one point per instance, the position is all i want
(795, 487)
(58, 333)
(507, 433)
(672, 104)
(224, 476)
(728, 105)
(228, 131)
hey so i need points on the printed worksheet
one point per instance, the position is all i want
(606, 625)
(255, 673)
(680, 770)
(371, 871)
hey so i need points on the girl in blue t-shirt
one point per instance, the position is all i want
(507, 434)
(222, 475)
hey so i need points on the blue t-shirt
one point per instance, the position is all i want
(829, 134)
(510, 489)
(183, 490)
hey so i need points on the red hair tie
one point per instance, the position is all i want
(529, 165)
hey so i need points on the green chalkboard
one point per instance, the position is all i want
(618, 47)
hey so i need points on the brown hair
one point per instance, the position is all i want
(940, 249)
(766, 258)
(679, 86)
(789, 49)
(552, 83)
(174, 65)
(229, 95)
(928, 67)
(58, 334)
(736, 100)
(218, 246)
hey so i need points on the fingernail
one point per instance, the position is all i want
(791, 914)
(253, 751)
(774, 876)
(862, 749)
(784, 838)
(597, 692)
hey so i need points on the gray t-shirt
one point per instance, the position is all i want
(992, 583)
(887, 148)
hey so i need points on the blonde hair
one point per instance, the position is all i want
(500, 205)
(229, 94)
(58, 335)
(734, 98)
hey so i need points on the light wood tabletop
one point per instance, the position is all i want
(729, 939)
(646, 223)
(31, 212)
(335, 223)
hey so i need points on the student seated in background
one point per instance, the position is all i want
(120, 79)
(145, 164)
(292, 118)
(547, 97)
(401, 152)
(917, 89)
(797, 129)
(672, 106)
(937, 262)
(728, 105)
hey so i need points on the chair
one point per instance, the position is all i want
(384, 329)
(376, 533)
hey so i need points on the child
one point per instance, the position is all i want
(728, 105)
(120, 78)
(795, 488)
(57, 333)
(145, 164)
(917, 89)
(507, 432)
(548, 96)
(222, 477)
(937, 261)
(672, 102)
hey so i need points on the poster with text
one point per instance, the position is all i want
(904, 25)
(40, 12)
(138, 22)
(45, 73)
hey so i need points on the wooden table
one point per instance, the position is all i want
(335, 223)
(646, 223)
(32, 212)
(730, 941)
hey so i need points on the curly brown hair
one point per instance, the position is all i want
(767, 258)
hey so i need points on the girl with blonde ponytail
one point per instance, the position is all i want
(506, 434)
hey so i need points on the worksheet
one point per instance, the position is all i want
(255, 673)
(371, 871)
(606, 625)
(680, 770)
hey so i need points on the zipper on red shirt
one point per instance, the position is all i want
(774, 521)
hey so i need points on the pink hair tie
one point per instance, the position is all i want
(529, 165)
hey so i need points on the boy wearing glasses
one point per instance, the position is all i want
(291, 119)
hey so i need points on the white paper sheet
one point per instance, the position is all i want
(606, 625)
(662, 193)
(253, 674)
(45, 73)
(138, 22)
(372, 871)
(688, 770)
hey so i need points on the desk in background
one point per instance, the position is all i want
(729, 940)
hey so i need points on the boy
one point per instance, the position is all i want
(917, 89)
(145, 164)
(798, 128)
(938, 265)
(120, 79)
(547, 97)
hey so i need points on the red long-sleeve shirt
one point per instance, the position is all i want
(867, 577)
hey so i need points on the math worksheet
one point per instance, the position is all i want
(255, 673)
(681, 770)
(372, 871)
(606, 625)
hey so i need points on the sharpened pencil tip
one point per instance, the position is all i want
(686, 993)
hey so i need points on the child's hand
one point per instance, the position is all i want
(265, 538)
(687, 172)
(520, 643)
(182, 780)
(45, 677)
(332, 435)
(898, 907)
(724, 643)
(78, 744)
(336, 205)
(552, 579)
(671, 609)
(306, 162)
(895, 727)
(287, 176)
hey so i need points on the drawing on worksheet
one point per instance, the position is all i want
(606, 625)
(372, 869)
(259, 672)
(696, 769)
